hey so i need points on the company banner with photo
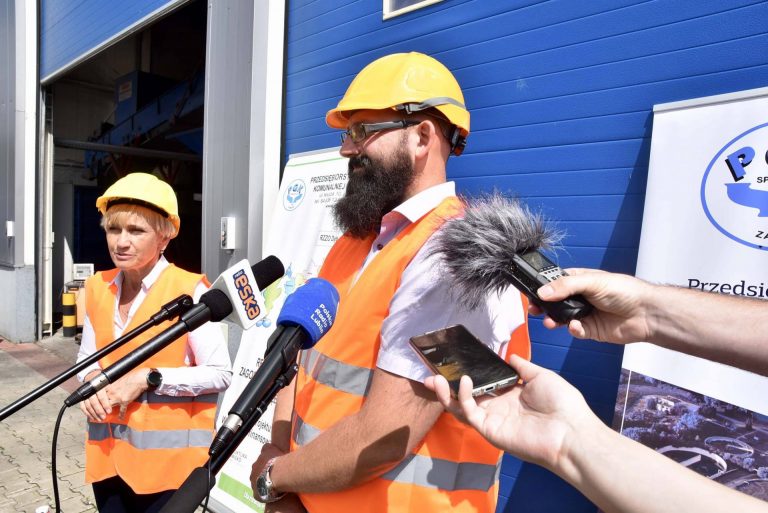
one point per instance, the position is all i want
(705, 227)
(302, 232)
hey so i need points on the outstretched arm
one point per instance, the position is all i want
(727, 329)
(546, 421)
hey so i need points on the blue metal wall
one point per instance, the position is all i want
(71, 29)
(561, 95)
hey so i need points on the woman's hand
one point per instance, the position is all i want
(98, 406)
(126, 389)
(120, 393)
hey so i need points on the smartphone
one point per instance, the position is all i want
(531, 270)
(453, 352)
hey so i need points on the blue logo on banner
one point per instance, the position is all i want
(734, 190)
(294, 194)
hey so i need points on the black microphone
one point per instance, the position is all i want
(306, 316)
(496, 244)
(241, 306)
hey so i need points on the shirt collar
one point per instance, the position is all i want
(415, 207)
(150, 278)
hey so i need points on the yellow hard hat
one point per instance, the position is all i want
(145, 190)
(409, 82)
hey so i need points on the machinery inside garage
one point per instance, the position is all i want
(136, 105)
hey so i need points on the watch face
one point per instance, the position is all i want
(261, 488)
(154, 378)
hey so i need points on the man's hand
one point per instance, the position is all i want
(268, 451)
(535, 421)
(288, 504)
(620, 314)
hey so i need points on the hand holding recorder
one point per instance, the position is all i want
(719, 327)
(620, 305)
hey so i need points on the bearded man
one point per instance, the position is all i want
(357, 430)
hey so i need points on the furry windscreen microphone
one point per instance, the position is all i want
(496, 244)
(477, 248)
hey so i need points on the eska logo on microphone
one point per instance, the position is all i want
(247, 297)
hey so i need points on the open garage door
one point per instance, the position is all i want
(72, 31)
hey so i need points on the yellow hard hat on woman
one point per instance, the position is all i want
(144, 190)
(409, 83)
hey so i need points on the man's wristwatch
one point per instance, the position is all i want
(265, 490)
(154, 379)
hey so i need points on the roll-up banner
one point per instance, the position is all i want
(301, 234)
(705, 227)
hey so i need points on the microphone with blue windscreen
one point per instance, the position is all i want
(307, 315)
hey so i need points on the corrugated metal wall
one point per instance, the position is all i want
(7, 128)
(73, 30)
(561, 95)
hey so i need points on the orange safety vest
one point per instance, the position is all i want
(453, 468)
(162, 438)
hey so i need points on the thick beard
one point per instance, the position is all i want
(373, 190)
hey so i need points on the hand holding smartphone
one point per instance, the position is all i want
(453, 352)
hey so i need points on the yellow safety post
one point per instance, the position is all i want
(69, 314)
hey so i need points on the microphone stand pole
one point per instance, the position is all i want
(218, 461)
(170, 310)
(194, 489)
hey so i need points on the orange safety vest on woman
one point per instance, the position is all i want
(161, 439)
(453, 468)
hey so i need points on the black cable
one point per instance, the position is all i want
(53, 459)
(208, 495)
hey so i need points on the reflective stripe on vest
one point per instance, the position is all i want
(333, 373)
(444, 474)
(453, 468)
(163, 439)
(421, 470)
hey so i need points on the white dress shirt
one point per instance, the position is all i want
(424, 300)
(209, 368)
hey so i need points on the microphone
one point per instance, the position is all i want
(237, 283)
(232, 299)
(496, 244)
(306, 316)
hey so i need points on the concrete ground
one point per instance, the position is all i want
(26, 484)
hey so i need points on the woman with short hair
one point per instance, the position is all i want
(149, 429)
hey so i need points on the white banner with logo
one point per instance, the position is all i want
(705, 226)
(302, 232)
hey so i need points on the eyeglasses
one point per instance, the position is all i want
(361, 131)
